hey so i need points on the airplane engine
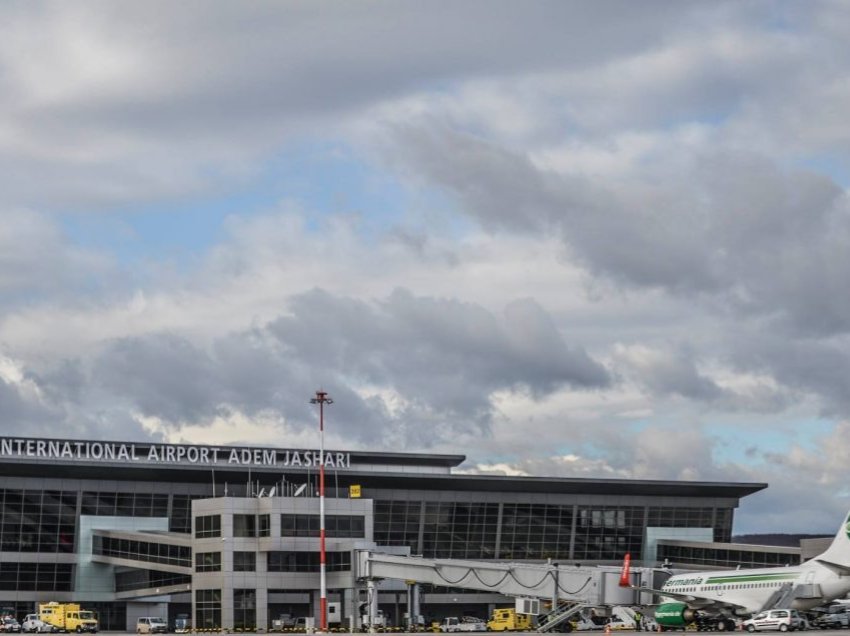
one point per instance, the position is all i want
(674, 615)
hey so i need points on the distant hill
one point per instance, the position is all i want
(784, 540)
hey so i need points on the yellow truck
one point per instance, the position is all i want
(67, 617)
(506, 619)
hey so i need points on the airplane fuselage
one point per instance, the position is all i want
(752, 589)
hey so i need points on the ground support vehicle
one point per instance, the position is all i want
(506, 619)
(784, 620)
(68, 617)
(464, 624)
(34, 625)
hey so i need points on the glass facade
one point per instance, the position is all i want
(457, 530)
(181, 513)
(36, 577)
(606, 533)
(142, 551)
(37, 520)
(124, 504)
(720, 557)
(398, 523)
(308, 561)
(535, 531)
(147, 579)
(336, 526)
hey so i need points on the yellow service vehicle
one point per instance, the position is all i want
(67, 617)
(506, 619)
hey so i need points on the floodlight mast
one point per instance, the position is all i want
(321, 399)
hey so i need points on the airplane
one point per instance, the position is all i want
(713, 599)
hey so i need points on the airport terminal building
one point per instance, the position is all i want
(229, 535)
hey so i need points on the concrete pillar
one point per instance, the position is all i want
(262, 608)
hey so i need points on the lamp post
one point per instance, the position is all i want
(321, 399)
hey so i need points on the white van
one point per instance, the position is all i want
(151, 625)
(785, 620)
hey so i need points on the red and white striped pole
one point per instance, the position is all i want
(321, 399)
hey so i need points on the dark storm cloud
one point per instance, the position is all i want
(454, 354)
(677, 374)
(759, 239)
(442, 358)
(805, 366)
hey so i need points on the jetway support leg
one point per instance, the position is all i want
(372, 596)
(417, 609)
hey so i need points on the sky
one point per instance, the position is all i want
(579, 239)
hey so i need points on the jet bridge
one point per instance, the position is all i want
(569, 586)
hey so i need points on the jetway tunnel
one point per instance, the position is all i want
(577, 586)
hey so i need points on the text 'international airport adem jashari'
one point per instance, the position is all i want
(229, 535)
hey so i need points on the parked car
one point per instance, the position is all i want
(836, 618)
(34, 625)
(10, 624)
(784, 620)
(151, 625)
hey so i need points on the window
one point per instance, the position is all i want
(265, 525)
(37, 521)
(142, 551)
(308, 562)
(245, 610)
(207, 609)
(244, 561)
(244, 526)
(36, 577)
(336, 526)
(207, 561)
(207, 526)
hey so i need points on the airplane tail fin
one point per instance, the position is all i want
(838, 552)
(625, 573)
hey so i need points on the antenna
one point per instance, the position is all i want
(272, 491)
(299, 490)
(262, 492)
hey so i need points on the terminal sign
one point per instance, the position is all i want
(167, 453)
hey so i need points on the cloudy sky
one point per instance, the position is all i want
(562, 238)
